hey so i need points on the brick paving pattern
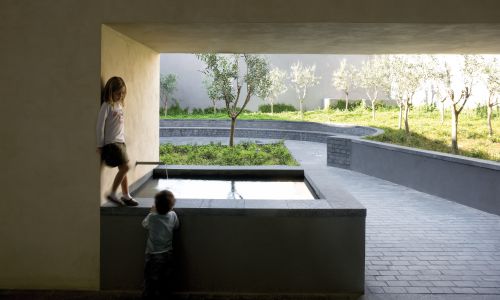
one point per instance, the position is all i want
(417, 243)
(425, 244)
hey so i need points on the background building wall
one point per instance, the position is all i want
(191, 92)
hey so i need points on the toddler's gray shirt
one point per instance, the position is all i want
(160, 231)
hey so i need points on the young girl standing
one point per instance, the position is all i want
(111, 138)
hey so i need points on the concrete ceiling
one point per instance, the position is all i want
(338, 38)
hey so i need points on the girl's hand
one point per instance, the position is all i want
(99, 151)
(153, 209)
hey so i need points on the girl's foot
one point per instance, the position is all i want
(112, 198)
(129, 201)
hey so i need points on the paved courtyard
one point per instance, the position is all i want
(415, 243)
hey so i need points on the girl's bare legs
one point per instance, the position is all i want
(125, 186)
(120, 176)
(121, 179)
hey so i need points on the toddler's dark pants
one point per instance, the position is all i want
(158, 276)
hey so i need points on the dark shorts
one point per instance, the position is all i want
(114, 154)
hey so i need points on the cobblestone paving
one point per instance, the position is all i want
(418, 243)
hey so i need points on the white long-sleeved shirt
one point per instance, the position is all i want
(110, 124)
(160, 231)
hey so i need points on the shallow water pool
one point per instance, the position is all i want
(228, 189)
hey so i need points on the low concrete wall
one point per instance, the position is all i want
(346, 129)
(287, 130)
(310, 136)
(242, 252)
(469, 181)
(259, 247)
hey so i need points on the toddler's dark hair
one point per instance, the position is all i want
(164, 202)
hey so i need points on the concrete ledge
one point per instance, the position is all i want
(469, 181)
(275, 172)
(332, 200)
(222, 207)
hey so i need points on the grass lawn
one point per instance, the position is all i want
(427, 132)
(242, 154)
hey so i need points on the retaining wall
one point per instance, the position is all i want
(287, 130)
(469, 181)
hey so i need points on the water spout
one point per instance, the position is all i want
(160, 163)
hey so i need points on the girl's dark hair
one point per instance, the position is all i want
(113, 84)
(164, 202)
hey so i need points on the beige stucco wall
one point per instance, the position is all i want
(49, 91)
(139, 67)
(50, 75)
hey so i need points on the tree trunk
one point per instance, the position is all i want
(373, 109)
(442, 112)
(215, 107)
(407, 126)
(272, 109)
(346, 101)
(166, 106)
(400, 115)
(301, 112)
(231, 135)
(490, 129)
(454, 126)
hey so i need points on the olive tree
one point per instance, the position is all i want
(278, 85)
(228, 74)
(492, 72)
(211, 92)
(439, 76)
(374, 77)
(458, 88)
(396, 66)
(407, 74)
(167, 87)
(343, 79)
(303, 78)
(471, 70)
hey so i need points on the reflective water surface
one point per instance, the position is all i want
(227, 189)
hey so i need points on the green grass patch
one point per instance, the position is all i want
(242, 154)
(427, 131)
